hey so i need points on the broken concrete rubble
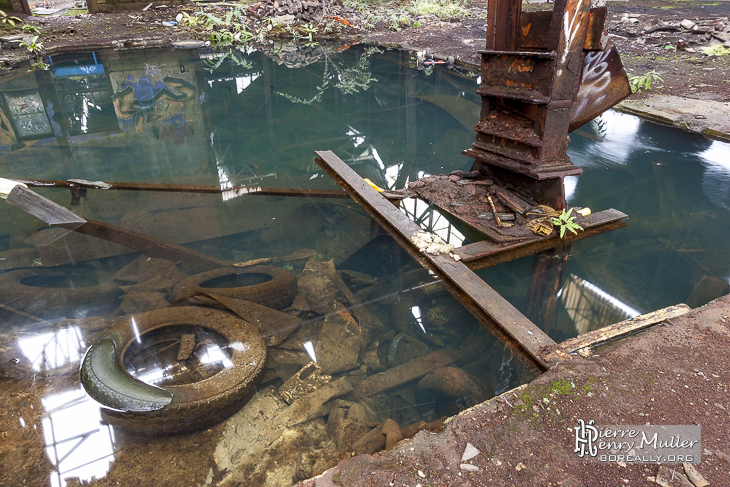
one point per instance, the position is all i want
(314, 405)
(339, 341)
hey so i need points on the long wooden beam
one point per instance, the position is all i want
(483, 254)
(583, 343)
(526, 341)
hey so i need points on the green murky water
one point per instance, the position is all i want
(254, 119)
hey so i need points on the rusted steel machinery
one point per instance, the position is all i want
(544, 73)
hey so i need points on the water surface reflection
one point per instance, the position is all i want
(361, 308)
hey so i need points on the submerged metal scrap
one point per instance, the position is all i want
(430, 243)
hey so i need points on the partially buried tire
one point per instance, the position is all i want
(50, 292)
(139, 407)
(271, 286)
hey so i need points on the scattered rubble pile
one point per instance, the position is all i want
(286, 11)
(491, 206)
(683, 34)
(338, 381)
(364, 390)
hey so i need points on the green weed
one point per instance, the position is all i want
(566, 222)
(644, 82)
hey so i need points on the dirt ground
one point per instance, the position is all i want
(677, 373)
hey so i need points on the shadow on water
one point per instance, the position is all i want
(395, 353)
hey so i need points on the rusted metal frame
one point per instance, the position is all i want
(622, 328)
(535, 29)
(569, 27)
(573, 26)
(525, 340)
(595, 36)
(483, 158)
(503, 20)
(603, 84)
(80, 185)
(480, 255)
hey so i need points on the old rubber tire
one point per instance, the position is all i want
(135, 406)
(66, 291)
(271, 286)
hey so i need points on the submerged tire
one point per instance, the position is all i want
(66, 291)
(138, 407)
(271, 286)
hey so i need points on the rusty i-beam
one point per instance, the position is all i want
(543, 74)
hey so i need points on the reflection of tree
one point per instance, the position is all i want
(350, 80)
(599, 125)
(215, 62)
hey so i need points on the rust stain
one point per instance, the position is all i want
(526, 29)
(521, 66)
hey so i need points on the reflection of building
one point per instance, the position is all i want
(102, 101)
(432, 220)
(590, 307)
(77, 443)
(68, 422)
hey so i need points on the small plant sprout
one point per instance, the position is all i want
(9, 20)
(566, 222)
(643, 82)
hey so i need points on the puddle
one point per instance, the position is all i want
(395, 353)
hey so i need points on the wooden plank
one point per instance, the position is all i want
(623, 328)
(171, 227)
(483, 254)
(520, 335)
(42, 208)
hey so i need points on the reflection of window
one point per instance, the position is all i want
(86, 102)
(590, 307)
(84, 93)
(431, 220)
(53, 350)
(27, 114)
(416, 312)
(77, 443)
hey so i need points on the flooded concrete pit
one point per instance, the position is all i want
(394, 353)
